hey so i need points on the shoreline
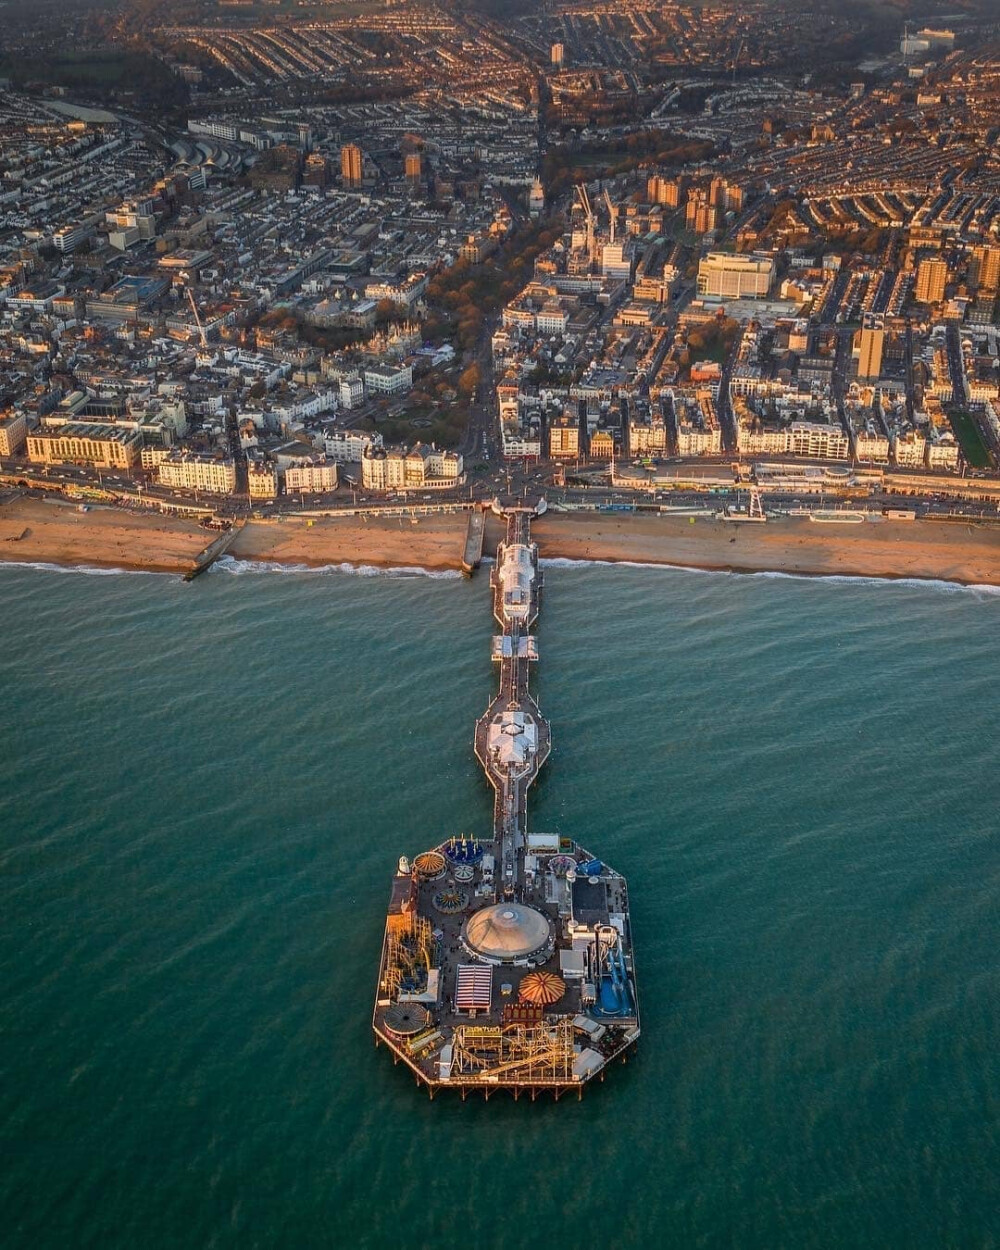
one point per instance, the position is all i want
(47, 533)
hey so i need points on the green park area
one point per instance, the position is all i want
(969, 438)
(96, 72)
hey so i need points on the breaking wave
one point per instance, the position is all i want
(91, 570)
(228, 564)
(561, 562)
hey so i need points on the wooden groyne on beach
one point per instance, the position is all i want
(474, 537)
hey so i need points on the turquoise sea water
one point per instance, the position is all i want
(203, 793)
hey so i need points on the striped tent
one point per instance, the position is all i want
(474, 990)
(542, 988)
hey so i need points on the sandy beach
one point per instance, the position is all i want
(435, 542)
(50, 532)
(46, 532)
(946, 550)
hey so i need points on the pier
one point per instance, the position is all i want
(507, 961)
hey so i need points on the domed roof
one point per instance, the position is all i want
(507, 931)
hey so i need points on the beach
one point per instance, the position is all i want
(43, 531)
(435, 542)
(48, 531)
(945, 550)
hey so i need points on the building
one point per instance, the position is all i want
(315, 171)
(69, 238)
(406, 292)
(101, 446)
(349, 446)
(986, 267)
(262, 479)
(558, 56)
(564, 437)
(697, 424)
(647, 437)
(725, 276)
(909, 449)
(212, 472)
(423, 467)
(701, 216)
(667, 191)
(819, 439)
(351, 391)
(614, 262)
(602, 445)
(476, 248)
(36, 298)
(133, 216)
(13, 433)
(536, 198)
(411, 167)
(351, 165)
(388, 379)
(871, 340)
(932, 275)
(310, 479)
(871, 446)
(942, 450)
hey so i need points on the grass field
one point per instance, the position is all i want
(970, 439)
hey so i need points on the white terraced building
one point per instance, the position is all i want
(310, 479)
(423, 467)
(191, 470)
(349, 446)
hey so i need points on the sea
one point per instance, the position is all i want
(204, 789)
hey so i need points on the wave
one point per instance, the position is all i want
(229, 564)
(853, 579)
(857, 579)
(91, 570)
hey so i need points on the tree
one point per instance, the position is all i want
(470, 378)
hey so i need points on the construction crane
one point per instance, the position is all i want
(588, 215)
(612, 213)
(736, 58)
(197, 319)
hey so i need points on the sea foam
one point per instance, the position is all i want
(228, 564)
(852, 579)
(91, 570)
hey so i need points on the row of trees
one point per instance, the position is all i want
(462, 297)
(565, 165)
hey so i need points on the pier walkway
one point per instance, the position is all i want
(512, 738)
